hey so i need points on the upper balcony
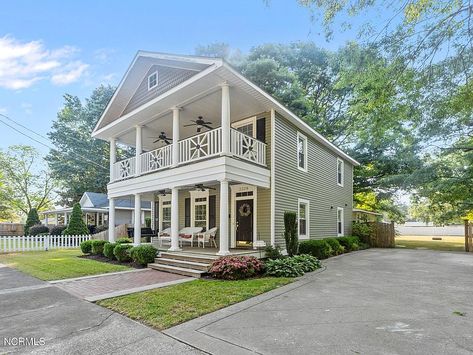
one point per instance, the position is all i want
(195, 148)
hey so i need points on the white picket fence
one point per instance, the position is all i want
(10, 244)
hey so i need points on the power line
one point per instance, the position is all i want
(44, 144)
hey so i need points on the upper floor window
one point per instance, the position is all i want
(339, 221)
(340, 171)
(301, 152)
(303, 218)
(153, 80)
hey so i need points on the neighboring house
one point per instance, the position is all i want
(213, 149)
(360, 215)
(95, 211)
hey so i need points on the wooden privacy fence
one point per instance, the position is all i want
(40, 242)
(382, 235)
(468, 236)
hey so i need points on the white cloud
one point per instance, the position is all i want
(22, 64)
(103, 54)
(27, 107)
(3, 110)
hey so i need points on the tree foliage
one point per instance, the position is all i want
(31, 220)
(76, 225)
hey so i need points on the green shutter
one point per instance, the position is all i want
(187, 212)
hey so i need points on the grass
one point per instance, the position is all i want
(165, 307)
(446, 244)
(57, 264)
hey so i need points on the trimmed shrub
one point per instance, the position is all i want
(38, 229)
(108, 250)
(123, 240)
(349, 243)
(273, 252)
(143, 254)
(308, 263)
(97, 246)
(337, 248)
(363, 231)
(31, 220)
(86, 246)
(236, 267)
(76, 224)
(57, 230)
(287, 267)
(290, 233)
(316, 247)
(122, 251)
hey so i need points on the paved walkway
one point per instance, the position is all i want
(94, 288)
(376, 301)
(30, 308)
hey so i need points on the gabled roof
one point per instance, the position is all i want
(100, 200)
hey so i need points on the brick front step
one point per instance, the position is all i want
(183, 264)
(177, 270)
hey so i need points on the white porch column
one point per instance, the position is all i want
(65, 218)
(175, 136)
(45, 219)
(225, 119)
(137, 225)
(111, 220)
(224, 232)
(174, 220)
(138, 150)
(113, 156)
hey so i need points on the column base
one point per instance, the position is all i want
(174, 249)
(223, 253)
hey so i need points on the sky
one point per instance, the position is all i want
(49, 48)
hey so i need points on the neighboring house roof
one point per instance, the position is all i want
(114, 112)
(366, 211)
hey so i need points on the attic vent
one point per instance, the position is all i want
(153, 80)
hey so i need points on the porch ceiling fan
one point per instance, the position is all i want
(162, 192)
(200, 123)
(201, 187)
(163, 138)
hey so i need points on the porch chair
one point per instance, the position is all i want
(210, 237)
(187, 234)
(164, 236)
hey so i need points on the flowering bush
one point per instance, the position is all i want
(236, 267)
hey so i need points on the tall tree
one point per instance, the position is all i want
(80, 162)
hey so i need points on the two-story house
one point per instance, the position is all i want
(214, 150)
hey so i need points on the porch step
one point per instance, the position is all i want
(186, 264)
(177, 270)
(186, 256)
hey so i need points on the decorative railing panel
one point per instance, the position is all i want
(156, 159)
(124, 169)
(200, 146)
(247, 147)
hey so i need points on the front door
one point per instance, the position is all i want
(244, 222)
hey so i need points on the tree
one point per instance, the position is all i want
(25, 185)
(80, 162)
(76, 224)
(290, 233)
(31, 220)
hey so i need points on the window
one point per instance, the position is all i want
(301, 152)
(340, 221)
(199, 209)
(303, 219)
(246, 126)
(166, 215)
(153, 80)
(340, 172)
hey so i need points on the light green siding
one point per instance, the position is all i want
(318, 184)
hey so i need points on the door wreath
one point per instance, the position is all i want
(245, 210)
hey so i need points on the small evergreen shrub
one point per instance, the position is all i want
(236, 267)
(287, 267)
(31, 220)
(143, 254)
(38, 229)
(363, 231)
(97, 246)
(337, 248)
(123, 240)
(86, 246)
(122, 251)
(349, 243)
(76, 224)
(307, 262)
(273, 252)
(316, 247)
(108, 250)
(290, 233)
(57, 230)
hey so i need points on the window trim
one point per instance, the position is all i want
(307, 218)
(342, 170)
(305, 147)
(165, 198)
(157, 80)
(195, 195)
(342, 221)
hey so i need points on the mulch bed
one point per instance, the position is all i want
(103, 259)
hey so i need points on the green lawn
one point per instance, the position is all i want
(57, 264)
(165, 307)
(446, 244)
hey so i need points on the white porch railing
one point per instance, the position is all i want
(200, 146)
(10, 244)
(247, 147)
(124, 169)
(156, 159)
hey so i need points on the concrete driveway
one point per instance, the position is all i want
(377, 301)
(60, 323)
